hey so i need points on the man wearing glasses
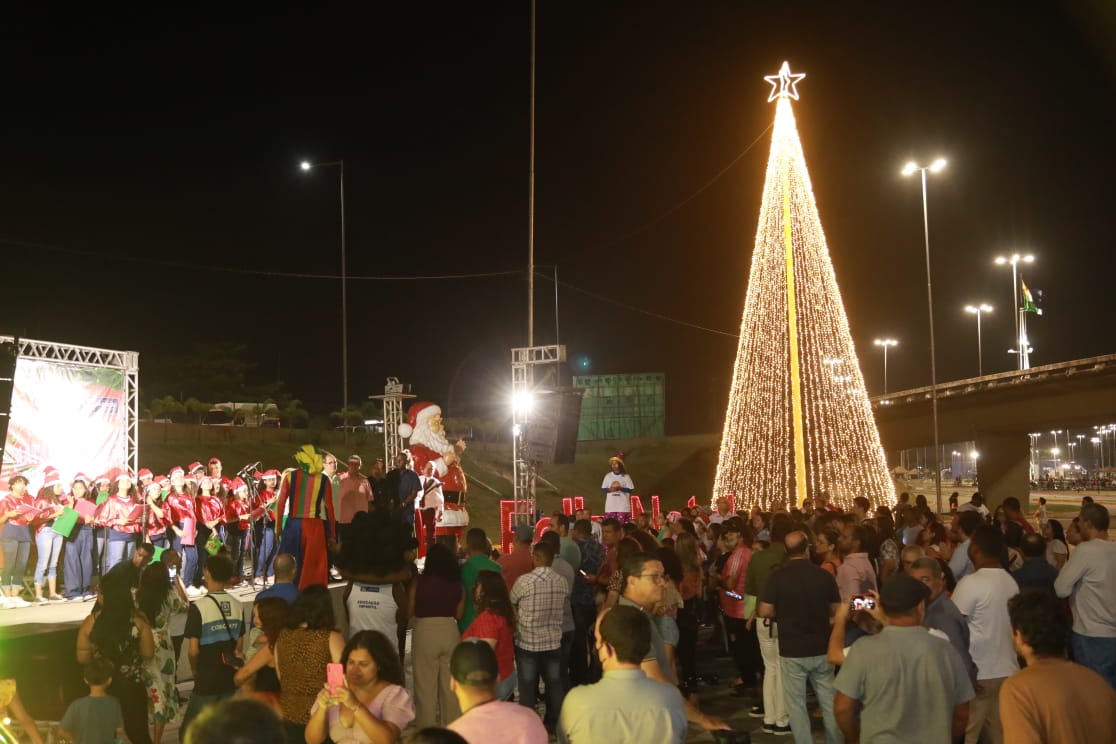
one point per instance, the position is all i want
(643, 579)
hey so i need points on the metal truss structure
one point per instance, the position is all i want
(393, 398)
(525, 361)
(87, 356)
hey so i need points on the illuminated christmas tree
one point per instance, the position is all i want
(798, 420)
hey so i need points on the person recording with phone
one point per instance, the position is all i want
(884, 674)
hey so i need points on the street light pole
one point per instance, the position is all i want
(884, 343)
(306, 166)
(979, 310)
(934, 167)
(1021, 343)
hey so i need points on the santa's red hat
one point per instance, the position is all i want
(51, 477)
(237, 484)
(144, 473)
(81, 477)
(176, 472)
(195, 467)
(419, 413)
(273, 473)
(106, 479)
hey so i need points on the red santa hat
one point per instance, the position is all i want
(152, 486)
(51, 477)
(195, 467)
(144, 473)
(176, 472)
(81, 477)
(104, 478)
(237, 484)
(273, 473)
(419, 413)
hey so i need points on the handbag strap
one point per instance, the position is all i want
(222, 611)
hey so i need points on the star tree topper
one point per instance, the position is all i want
(782, 85)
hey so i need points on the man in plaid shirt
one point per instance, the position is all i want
(539, 598)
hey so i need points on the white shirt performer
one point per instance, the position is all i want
(617, 487)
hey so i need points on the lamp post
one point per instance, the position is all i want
(1022, 348)
(1096, 453)
(306, 165)
(884, 343)
(979, 310)
(935, 167)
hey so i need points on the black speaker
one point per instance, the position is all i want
(551, 436)
(9, 353)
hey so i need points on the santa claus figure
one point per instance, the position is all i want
(428, 445)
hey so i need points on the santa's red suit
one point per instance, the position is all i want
(452, 476)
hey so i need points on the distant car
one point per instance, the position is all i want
(271, 423)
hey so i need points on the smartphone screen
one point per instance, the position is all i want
(335, 675)
(582, 572)
(862, 602)
(734, 595)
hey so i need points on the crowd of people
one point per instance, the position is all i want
(906, 624)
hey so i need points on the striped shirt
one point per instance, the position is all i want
(309, 496)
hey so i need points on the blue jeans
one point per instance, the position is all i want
(189, 555)
(117, 551)
(77, 567)
(1099, 654)
(529, 665)
(264, 561)
(16, 553)
(795, 672)
(49, 544)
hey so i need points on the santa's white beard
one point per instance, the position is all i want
(425, 436)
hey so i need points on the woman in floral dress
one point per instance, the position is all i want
(158, 601)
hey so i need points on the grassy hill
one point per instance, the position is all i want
(672, 467)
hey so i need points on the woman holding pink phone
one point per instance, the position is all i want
(366, 702)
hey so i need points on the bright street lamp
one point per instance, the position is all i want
(935, 167)
(1023, 347)
(979, 310)
(306, 165)
(884, 343)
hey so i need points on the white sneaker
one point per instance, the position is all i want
(4, 604)
(87, 597)
(18, 602)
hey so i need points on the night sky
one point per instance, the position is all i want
(150, 184)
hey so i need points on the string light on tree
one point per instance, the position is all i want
(798, 421)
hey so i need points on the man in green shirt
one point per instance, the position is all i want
(776, 720)
(477, 560)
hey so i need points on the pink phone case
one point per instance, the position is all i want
(335, 675)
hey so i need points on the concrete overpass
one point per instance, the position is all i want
(998, 412)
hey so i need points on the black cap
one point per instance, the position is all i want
(902, 594)
(474, 663)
